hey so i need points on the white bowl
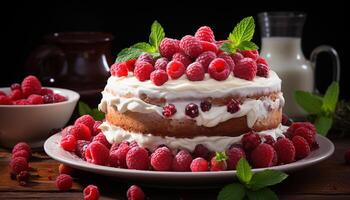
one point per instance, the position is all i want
(33, 123)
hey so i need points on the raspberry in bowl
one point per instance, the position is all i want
(28, 111)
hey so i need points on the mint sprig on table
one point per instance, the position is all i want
(320, 108)
(240, 37)
(85, 109)
(252, 186)
(152, 47)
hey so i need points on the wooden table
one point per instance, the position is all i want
(327, 180)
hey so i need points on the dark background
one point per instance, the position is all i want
(24, 25)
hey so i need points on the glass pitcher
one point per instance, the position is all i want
(281, 46)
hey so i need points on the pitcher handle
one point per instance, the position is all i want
(335, 59)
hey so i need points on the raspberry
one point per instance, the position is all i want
(15, 86)
(161, 63)
(218, 162)
(2, 93)
(233, 106)
(175, 69)
(68, 143)
(23, 176)
(91, 193)
(236, 57)
(35, 99)
(183, 58)
(87, 120)
(306, 133)
(159, 77)
(262, 70)
(228, 60)
(205, 105)
(48, 98)
(115, 146)
(16, 94)
(205, 33)
(347, 157)
(263, 156)
(137, 158)
(59, 98)
(95, 129)
(261, 60)
(169, 110)
(21, 146)
(218, 69)
(5, 100)
(268, 139)
(101, 138)
(130, 64)
(81, 148)
(65, 169)
(135, 193)
(18, 164)
(191, 110)
(245, 69)
(182, 161)
(134, 144)
(199, 165)
(168, 47)
(195, 72)
(64, 182)
(97, 153)
(286, 121)
(21, 102)
(285, 151)
(234, 154)
(145, 57)
(302, 148)
(31, 85)
(297, 125)
(143, 70)
(119, 69)
(201, 151)
(161, 159)
(205, 58)
(46, 91)
(207, 46)
(250, 141)
(80, 131)
(191, 46)
(21, 153)
(253, 54)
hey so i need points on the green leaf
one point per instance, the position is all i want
(309, 102)
(97, 115)
(157, 34)
(266, 178)
(243, 31)
(220, 156)
(244, 171)
(247, 45)
(323, 124)
(234, 191)
(128, 54)
(330, 99)
(145, 47)
(262, 194)
(228, 47)
(84, 109)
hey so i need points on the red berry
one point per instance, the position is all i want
(145, 57)
(201, 151)
(245, 69)
(262, 70)
(159, 77)
(168, 47)
(250, 141)
(119, 156)
(199, 165)
(21, 102)
(253, 54)
(234, 154)
(18, 164)
(16, 94)
(302, 148)
(68, 143)
(119, 69)
(15, 86)
(175, 69)
(2, 93)
(218, 69)
(64, 182)
(263, 156)
(205, 105)
(306, 133)
(228, 60)
(91, 193)
(35, 99)
(347, 157)
(261, 60)
(21, 153)
(268, 139)
(208, 46)
(182, 161)
(80, 131)
(161, 159)
(218, 162)
(31, 85)
(205, 58)
(191, 46)
(183, 58)
(161, 63)
(233, 106)
(130, 64)
(237, 57)
(81, 148)
(95, 128)
(137, 158)
(191, 110)
(285, 151)
(296, 125)
(115, 146)
(143, 70)
(23, 176)
(21, 146)
(65, 169)
(286, 121)
(97, 153)
(101, 138)
(169, 110)
(48, 98)
(135, 193)
(205, 33)
(195, 72)
(46, 91)
(59, 98)
(5, 100)
(87, 120)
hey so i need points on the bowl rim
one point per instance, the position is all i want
(75, 97)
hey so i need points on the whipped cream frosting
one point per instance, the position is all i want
(213, 143)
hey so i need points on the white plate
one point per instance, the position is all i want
(53, 149)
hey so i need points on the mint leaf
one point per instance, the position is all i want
(144, 46)
(97, 115)
(244, 171)
(262, 194)
(266, 178)
(83, 108)
(234, 191)
(128, 54)
(228, 47)
(247, 45)
(243, 31)
(309, 102)
(157, 34)
(220, 156)
(330, 99)
(323, 124)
